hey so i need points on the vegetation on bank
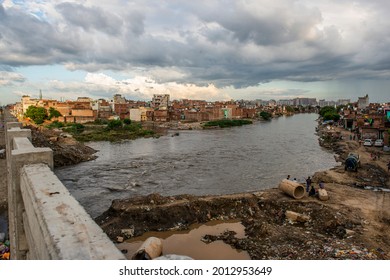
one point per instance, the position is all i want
(114, 130)
(329, 113)
(39, 114)
(265, 115)
(227, 123)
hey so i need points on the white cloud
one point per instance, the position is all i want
(100, 85)
(10, 78)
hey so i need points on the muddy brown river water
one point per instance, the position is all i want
(199, 162)
(189, 242)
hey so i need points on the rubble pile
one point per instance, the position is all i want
(276, 226)
(66, 150)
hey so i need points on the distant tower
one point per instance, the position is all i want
(40, 94)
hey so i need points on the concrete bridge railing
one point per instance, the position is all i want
(45, 221)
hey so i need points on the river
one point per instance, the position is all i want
(199, 162)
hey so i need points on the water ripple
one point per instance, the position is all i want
(224, 161)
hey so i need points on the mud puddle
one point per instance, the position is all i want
(188, 242)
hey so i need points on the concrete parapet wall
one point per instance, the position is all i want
(57, 222)
(45, 221)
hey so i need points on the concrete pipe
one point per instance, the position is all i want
(150, 249)
(293, 189)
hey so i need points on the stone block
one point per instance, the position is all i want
(297, 217)
(323, 194)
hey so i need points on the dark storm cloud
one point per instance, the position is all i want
(240, 43)
(27, 40)
(90, 18)
(278, 26)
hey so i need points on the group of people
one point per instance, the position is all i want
(309, 186)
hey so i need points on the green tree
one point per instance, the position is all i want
(53, 113)
(289, 109)
(37, 114)
(265, 115)
(327, 109)
(331, 116)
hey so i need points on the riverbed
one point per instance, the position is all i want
(199, 162)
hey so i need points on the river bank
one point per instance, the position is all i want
(353, 224)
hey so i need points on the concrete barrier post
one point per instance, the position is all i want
(20, 153)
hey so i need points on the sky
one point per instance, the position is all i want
(204, 49)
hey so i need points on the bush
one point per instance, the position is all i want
(100, 121)
(74, 128)
(55, 124)
(133, 127)
(127, 121)
(114, 124)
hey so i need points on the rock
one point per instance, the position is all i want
(349, 232)
(53, 139)
(128, 233)
(297, 217)
(323, 195)
(119, 239)
(150, 249)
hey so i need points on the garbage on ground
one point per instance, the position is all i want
(4, 250)
(296, 217)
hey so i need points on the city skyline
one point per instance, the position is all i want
(217, 50)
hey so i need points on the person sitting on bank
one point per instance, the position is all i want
(288, 177)
(321, 185)
(312, 191)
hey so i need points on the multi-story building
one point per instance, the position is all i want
(323, 103)
(343, 102)
(160, 101)
(141, 114)
(103, 109)
(363, 102)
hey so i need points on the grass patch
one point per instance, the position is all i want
(127, 132)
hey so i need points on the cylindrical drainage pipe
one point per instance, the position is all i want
(293, 189)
